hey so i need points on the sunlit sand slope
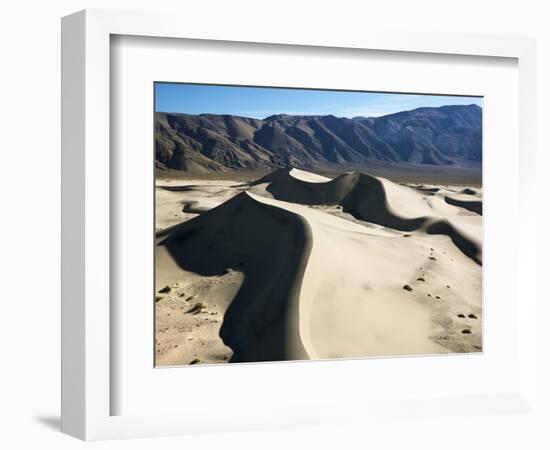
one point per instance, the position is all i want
(299, 266)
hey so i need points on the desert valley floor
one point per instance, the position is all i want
(296, 266)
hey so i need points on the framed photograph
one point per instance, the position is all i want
(276, 240)
(273, 227)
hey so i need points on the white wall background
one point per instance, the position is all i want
(29, 251)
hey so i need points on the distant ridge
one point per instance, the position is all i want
(443, 136)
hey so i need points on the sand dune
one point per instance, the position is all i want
(466, 203)
(382, 202)
(352, 301)
(270, 246)
(303, 267)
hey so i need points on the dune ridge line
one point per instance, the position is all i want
(261, 323)
(301, 266)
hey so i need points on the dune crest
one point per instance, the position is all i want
(382, 202)
(270, 246)
(289, 269)
(307, 176)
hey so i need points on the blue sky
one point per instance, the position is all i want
(262, 102)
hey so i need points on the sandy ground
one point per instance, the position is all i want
(176, 202)
(299, 266)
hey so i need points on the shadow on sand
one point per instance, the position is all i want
(271, 247)
(475, 206)
(365, 198)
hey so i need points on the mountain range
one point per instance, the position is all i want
(442, 136)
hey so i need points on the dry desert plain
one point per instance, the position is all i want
(297, 266)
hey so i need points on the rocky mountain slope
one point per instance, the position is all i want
(444, 136)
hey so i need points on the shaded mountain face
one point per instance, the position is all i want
(448, 135)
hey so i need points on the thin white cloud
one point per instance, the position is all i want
(396, 104)
(383, 105)
(261, 114)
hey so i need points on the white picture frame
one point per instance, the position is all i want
(86, 288)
